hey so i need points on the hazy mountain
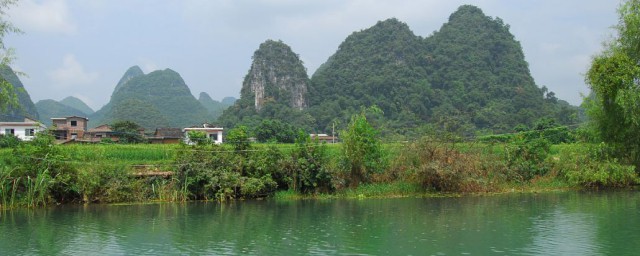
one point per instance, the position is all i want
(215, 107)
(158, 99)
(77, 104)
(51, 108)
(26, 107)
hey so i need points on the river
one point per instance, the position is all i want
(560, 223)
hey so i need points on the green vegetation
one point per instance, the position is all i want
(39, 173)
(20, 106)
(613, 78)
(48, 109)
(470, 77)
(275, 89)
(77, 104)
(8, 93)
(158, 99)
(215, 107)
(128, 132)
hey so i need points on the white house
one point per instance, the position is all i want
(23, 130)
(213, 133)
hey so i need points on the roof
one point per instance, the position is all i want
(69, 117)
(168, 132)
(203, 129)
(25, 123)
(101, 128)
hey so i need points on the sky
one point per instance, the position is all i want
(82, 48)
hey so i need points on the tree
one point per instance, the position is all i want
(128, 132)
(239, 138)
(275, 130)
(614, 78)
(8, 95)
(362, 149)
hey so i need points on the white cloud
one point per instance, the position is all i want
(50, 16)
(72, 74)
(147, 65)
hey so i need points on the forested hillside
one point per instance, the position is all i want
(468, 77)
(215, 107)
(77, 104)
(51, 108)
(26, 107)
(158, 99)
(276, 87)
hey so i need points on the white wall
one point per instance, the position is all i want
(20, 131)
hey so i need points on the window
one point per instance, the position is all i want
(29, 132)
(74, 123)
(9, 131)
(213, 136)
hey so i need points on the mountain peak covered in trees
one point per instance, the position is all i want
(158, 99)
(469, 76)
(276, 87)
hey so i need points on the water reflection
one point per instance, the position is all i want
(519, 224)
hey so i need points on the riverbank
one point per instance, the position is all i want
(40, 173)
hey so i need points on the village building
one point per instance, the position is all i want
(166, 136)
(99, 134)
(69, 128)
(324, 138)
(25, 130)
(213, 133)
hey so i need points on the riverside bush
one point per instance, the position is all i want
(593, 167)
(525, 157)
(440, 166)
(308, 168)
(38, 173)
(217, 172)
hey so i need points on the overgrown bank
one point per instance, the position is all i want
(40, 173)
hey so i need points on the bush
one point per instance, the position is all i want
(103, 183)
(362, 152)
(9, 141)
(40, 173)
(526, 157)
(593, 167)
(439, 166)
(215, 172)
(309, 170)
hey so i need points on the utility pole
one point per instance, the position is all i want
(333, 133)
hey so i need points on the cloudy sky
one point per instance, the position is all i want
(82, 48)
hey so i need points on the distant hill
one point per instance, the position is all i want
(51, 108)
(276, 87)
(26, 107)
(228, 101)
(158, 99)
(77, 104)
(215, 107)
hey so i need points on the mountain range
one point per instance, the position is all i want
(468, 77)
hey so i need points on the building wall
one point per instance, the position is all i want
(208, 131)
(20, 130)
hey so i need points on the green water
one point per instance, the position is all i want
(568, 223)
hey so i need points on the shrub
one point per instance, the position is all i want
(8, 141)
(526, 157)
(41, 173)
(214, 172)
(362, 152)
(440, 166)
(593, 167)
(309, 170)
